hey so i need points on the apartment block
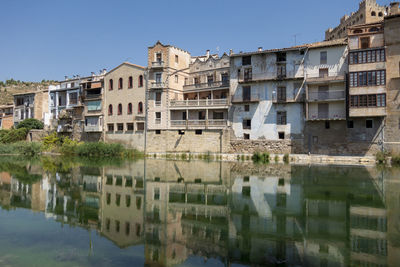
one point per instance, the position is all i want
(124, 100)
(31, 105)
(6, 116)
(392, 44)
(267, 89)
(205, 95)
(92, 97)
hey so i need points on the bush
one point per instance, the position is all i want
(256, 157)
(381, 157)
(276, 158)
(52, 141)
(69, 146)
(23, 148)
(265, 157)
(13, 135)
(30, 124)
(395, 160)
(100, 149)
(260, 157)
(286, 158)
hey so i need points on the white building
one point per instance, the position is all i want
(267, 94)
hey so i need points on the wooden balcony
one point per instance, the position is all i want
(208, 85)
(210, 103)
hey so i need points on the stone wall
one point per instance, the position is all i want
(215, 141)
(128, 139)
(270, 146)
(35, 135)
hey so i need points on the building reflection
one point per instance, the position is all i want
(234, 212)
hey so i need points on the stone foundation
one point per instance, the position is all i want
(271, 146)
(35, 135)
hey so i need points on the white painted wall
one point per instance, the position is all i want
(336, 61)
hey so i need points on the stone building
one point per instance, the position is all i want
(368, 12)
(31, 105)
(93, 113)
(187, 101)
(392, 43)
(267, 88)
(6, 116)
(124, 110)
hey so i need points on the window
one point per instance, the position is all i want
(281, 135)
(140, 81)
(246, 107)
(158, 117)
(323, 57)
(246, 93)
(246, 60)
(218, 115)
(368, 124)
(380, 14)
(198, 132)
(210, 79)
(158, 57)
(196, 80)
(140, 126)
(119, 109)
(117, 199)
(120, 127)
(323, 72)
(377, 55)
(110, 127)
(373, 13)
(110, 110)
(156, 194)
(158, 131)
(130, 108)
(364, 42)
(181, 132)
(372, 100)
(246, 124)
(281, 57)
(225, 78)
(327, 125)
(158, 77)
(176, 59)
(281, 96)
(158, 98)
(127, 225)
(129, 127)
(130, 82)
(73, 98)
(117, 226)
(108, 198)
(350, 124)
(246, 136)
(176, 78)
(120, 81)
(367, 78)
(281, 117)
(140, 108)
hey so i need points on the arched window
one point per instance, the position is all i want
(120, 83)
(373, 13)
(130, 82)
(110, 85)
(140, 108)
(374, 29)
(140, 82)
(110, 110)
(130, 108)
(119, 109)
(380, 14)
(358, 31)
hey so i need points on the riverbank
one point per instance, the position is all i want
(273, 158)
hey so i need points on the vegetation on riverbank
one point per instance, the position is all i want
(382, 158)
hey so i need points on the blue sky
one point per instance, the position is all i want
(47, 39)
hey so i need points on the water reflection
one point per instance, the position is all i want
(220, 213)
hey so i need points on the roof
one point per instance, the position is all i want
(31, 92)
(336, 42)
(6, 106)
(159, 43)
(125, 63)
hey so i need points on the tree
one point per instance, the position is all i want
(30, 124)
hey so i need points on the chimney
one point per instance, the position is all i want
(230, 52)
(208, 53)
(260, 49)
(394, 8)
(66, 78)
(92, 74)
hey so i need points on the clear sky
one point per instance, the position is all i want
(48, 39)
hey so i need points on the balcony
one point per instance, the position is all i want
(323, 79)
(157, 85)
(319, 117)
(157, 64)
(208, 85)
(66, 128)
(140, 117)
(200, 103)
(297, 96)
(245, 99)
(248, 77)
(93, 96)
(326, 96)
(92, 128)
(198, 124)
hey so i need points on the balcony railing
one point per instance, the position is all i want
(157, 85)
(325, 78)
(92, 96)
(326, 117)
(328, 95)
(198, 123)
(267, 76)
(206, 85)
(157, 64)
(199, 103)
(244, 99)
(158, 121)
(93, 128)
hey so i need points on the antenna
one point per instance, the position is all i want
(295, 38)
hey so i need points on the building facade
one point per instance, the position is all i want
(6, 116)
(368, 12)
(31, 105)
(124, 110)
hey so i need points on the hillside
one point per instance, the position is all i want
(10, 87)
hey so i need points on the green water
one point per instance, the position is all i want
(69, 212)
